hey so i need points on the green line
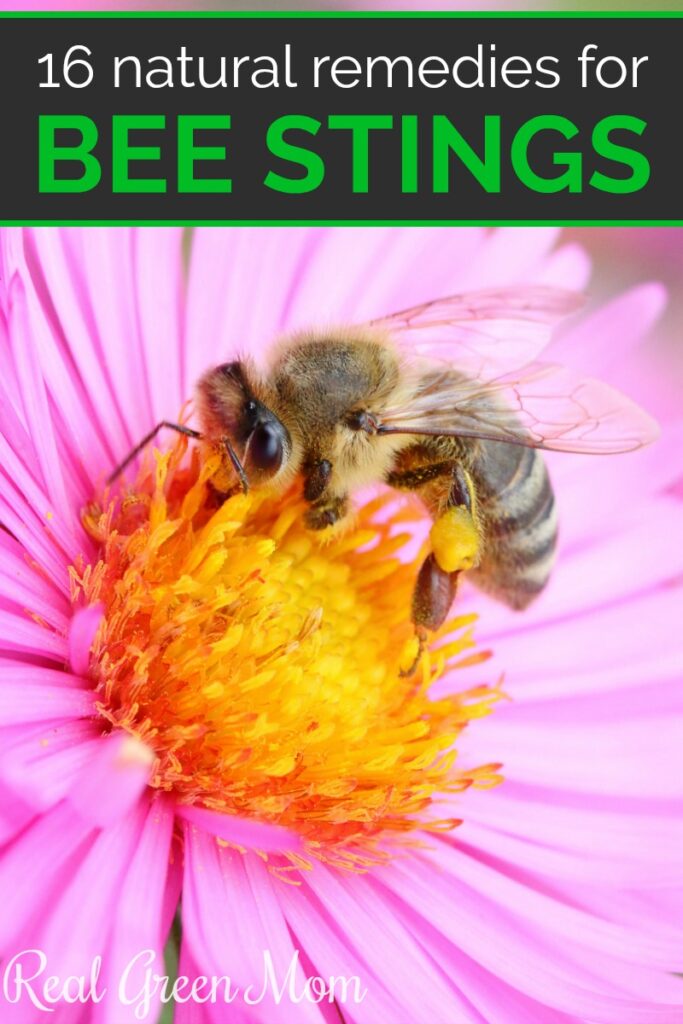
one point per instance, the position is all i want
(342, 15)
(347, 223)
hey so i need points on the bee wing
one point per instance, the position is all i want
(481, 333)
(542, 405)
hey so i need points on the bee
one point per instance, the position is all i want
(447, 400)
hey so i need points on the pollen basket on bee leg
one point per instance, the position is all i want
(456, 540)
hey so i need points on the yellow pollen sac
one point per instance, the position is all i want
(262, 666)
(455, 540)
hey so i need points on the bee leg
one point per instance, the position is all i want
(433, 595)
(414, 479)
(456, 543)
(462, 489)
(317, 477)
(456, 533)
(326, 512)
(236, 464)
(432, 599)
(179, 429)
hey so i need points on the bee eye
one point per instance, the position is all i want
(265, 447)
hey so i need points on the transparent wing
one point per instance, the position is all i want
(542, 405)
(482, 333)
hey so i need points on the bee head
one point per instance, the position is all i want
(229, 407)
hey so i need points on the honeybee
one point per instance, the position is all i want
(379, 403)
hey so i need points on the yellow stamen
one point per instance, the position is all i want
(262, 666)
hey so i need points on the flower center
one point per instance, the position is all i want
(261, 663)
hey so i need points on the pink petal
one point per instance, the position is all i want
(379, 937)
(606, 486)
(115, 779)
(318, 935)
(28, 673)
(556, 866)
(645, 841)
(19, 633)
(492, 266)
(594, 574)
(15, 814)
(64, 335)
(24, 1011)
(36, 408)
(160, 302)
(32, 867)
(255, 835)
(641, 630)
(597, 748)
(190, 1011)
(490, 1000)
(231, 917)
(24, 500)
(566, 923)
(138, 921)
(18, 515)
(390, 282)
(240, 286)
(607, 336)
(29, 588)
(103, 255)
(567, 267)
(42, 762)
(379, 273)
(82, 913)
(82, 629)
(41, 703)
(491, 935)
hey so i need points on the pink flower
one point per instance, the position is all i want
(557, 899)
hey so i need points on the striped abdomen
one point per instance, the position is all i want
(517, 507)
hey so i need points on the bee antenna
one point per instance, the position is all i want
(178, 427)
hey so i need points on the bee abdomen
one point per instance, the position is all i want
(520, 523)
